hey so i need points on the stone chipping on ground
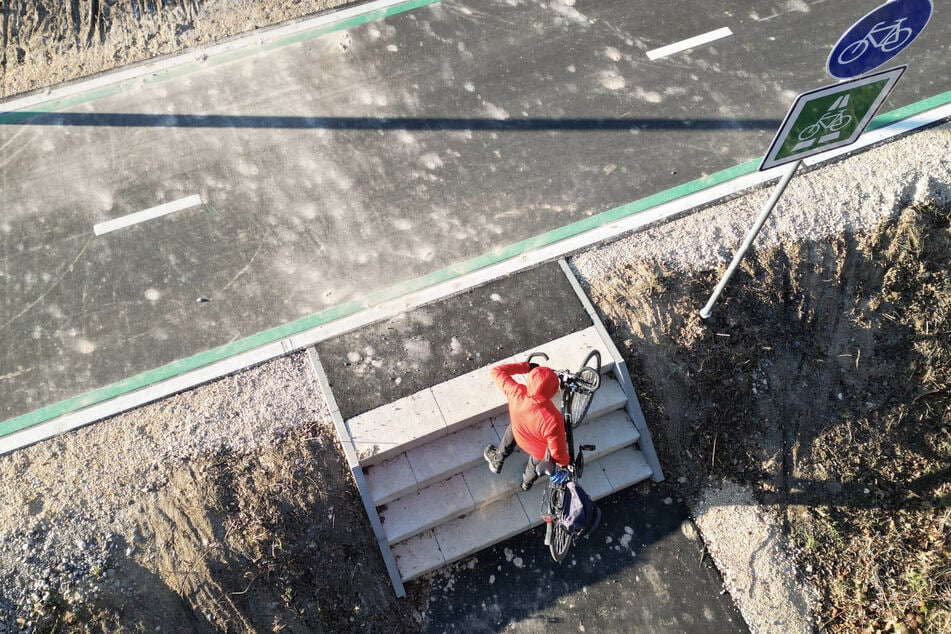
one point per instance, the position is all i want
(751, 552)
(91, 479)
(69, 502)
(87, 479)
(852, 195)
(849, 195)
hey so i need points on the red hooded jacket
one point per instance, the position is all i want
(537, 424)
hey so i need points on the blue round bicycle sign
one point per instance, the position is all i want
(879, 36)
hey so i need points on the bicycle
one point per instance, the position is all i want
(885, 38)
(577, 391)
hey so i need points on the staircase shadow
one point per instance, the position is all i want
(642, 569)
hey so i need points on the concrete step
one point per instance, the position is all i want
(509, 516)
(476, 487)
(418, 464)
(383, 433)
(445, 456)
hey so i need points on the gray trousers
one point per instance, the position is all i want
(508, 446)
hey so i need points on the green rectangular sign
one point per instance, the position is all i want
(830, 117)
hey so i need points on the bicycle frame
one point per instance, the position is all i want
(558, 539)
(565, 380)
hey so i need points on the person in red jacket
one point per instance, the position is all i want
(536, 425)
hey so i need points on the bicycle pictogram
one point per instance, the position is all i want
(828, 127)
(831, 121)
(880, 35)
(883, 36)
(829, 118)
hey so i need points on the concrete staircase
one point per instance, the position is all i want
(429, 494)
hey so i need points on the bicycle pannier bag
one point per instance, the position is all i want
(582, 515)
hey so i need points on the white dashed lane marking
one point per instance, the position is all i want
(147, 214)
(689, 43)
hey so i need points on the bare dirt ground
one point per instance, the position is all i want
(226, 508)
(47, 42)
(823, 382)
(822, 385)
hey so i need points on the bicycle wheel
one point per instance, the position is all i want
(852, 52)
(840, 122)
(810, 131)
(589, 380)
(560, 542)
(897, 39)
(558, 538)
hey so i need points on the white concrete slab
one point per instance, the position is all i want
(417, 512)
(469, 398)
(625, 468)
(500, 423)
(607, 433)
(609, 397)
(481, 528)
(390, 479)
(452, 454)
(570, 351)
(487, 487)
(418, 555)
(595, 482)
(531, 502)
(388, 430)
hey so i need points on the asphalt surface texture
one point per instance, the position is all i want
(352, 161)
(644, 569)
(385, 361)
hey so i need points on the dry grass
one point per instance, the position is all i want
(824, 382)
(886, 564)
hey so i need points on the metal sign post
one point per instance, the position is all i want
(835, 116)
(819, 120)
(754, 231)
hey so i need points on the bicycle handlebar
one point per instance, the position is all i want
(565, 377)
(537, 354)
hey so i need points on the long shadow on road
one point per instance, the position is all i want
(643, 570)
(139, 120)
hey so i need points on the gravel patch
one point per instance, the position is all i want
(851, 195)
(78, 489)
(751, 551)
(69, 502)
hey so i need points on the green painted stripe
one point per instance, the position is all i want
(349, 308)
(191, 66)
(399, 290)
(908, 111)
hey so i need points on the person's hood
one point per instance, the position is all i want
(542, 383)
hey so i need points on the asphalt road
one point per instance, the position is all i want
(334, 165)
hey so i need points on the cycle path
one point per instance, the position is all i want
(351, 163)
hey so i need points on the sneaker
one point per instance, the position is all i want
(527, 486)
(492, 456)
